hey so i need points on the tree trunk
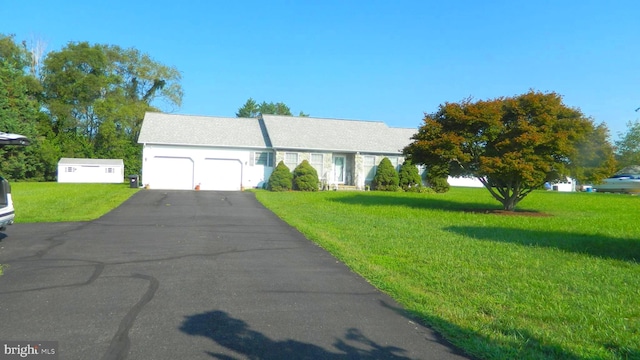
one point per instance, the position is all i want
(509, 203)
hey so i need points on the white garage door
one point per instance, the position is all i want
(221, 174)
(171, 173)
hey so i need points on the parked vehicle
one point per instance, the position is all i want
(7, 212)
(626, 180)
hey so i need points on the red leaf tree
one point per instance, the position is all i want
(513, 145)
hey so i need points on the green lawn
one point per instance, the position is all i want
(55, 202)
(566, 285)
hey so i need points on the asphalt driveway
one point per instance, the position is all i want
(195, 275)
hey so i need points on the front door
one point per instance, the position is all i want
(338, 169)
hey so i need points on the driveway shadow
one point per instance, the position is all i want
(236, 335)
(595, 245)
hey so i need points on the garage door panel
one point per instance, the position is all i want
(222, 174)
(172, 173)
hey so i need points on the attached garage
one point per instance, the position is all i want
(181, 152)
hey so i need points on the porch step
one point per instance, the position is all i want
(342, 187)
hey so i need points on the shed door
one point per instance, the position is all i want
(171, 173)
(222, 174)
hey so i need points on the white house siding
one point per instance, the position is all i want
(172, 167)
(464, 182)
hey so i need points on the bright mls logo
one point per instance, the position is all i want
(29, 350)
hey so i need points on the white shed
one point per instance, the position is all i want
(71, 170)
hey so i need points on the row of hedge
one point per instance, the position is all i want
(305, 178)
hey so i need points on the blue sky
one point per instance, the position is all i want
(368, 60)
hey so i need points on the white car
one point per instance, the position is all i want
(7, 212)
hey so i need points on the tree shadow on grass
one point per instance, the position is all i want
(595, 245)
(523, 344)
(427, 203)
(236, 335)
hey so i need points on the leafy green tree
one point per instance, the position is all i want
(305, 177)
(252, 109)
(96, 97)
(13, 55)
(281, 178)
(436, 177)
(386, 177)
(409, 176)
(249, 109)
(594, 158)
(512, 145)
(628, 147)
(19, 112)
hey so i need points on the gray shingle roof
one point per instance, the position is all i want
(80, 161)
(289, 132)
(280, 132)
(160, 128)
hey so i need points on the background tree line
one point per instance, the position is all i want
(84, 101)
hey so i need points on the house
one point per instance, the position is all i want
(218, 153)
(73, 170)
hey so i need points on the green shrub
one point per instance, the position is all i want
(386, 178)
(305, 177)
(280, 179)
(437, 178)
(409, 176)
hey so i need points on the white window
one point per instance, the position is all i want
(263, 158)
(69, 169)
(317, 161)
(109, 170)
(291, 160)
(369, 167)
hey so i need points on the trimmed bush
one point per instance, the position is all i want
(386, 178)
(280, 179)
(305, 177)
(409, 176)
(437, 178)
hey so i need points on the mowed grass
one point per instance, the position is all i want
(561, 286)
(56, 202)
